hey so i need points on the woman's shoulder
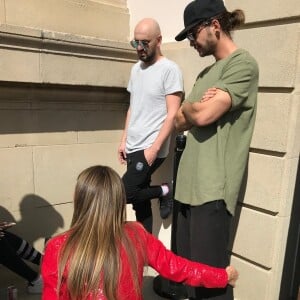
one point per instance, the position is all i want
(57, 241)
(135, 230)
(133, 226)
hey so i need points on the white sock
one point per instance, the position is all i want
(165, 189)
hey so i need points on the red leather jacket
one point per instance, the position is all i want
(165, 262)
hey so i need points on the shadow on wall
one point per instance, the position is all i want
(46, 108)
(238, 210)
(38, 219)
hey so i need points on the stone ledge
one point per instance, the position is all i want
(38, 56)
(43, 41)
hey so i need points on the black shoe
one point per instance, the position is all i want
(166, 203)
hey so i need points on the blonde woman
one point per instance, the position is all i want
(102, 256)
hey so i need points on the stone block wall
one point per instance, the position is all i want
(63, 100)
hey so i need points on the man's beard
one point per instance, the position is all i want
(147, 58)
(208, 49)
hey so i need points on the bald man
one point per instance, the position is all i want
(155, 88)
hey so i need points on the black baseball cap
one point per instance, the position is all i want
(197, 11)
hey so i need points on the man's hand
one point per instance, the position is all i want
(214, 105)
(3, 226)
(181, 122)
(121, 153)
(208, 94)
(150, 155)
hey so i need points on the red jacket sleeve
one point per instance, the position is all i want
(49, 271)
(179, 269)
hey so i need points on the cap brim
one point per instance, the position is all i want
(182, 34)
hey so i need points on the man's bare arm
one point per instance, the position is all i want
(203, 113)
(173, 104)
(181, 123)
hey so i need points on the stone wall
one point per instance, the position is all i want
(63, 102)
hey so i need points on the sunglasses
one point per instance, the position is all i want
(143, 43)
(193, 33)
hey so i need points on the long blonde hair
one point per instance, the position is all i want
(91, 252)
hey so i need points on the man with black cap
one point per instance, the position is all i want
(219, 115)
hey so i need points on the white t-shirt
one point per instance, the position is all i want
(148, 88)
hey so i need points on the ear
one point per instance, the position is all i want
(216, 24)
(216, 28)
(159, 40)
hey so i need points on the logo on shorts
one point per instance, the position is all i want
(139, 166)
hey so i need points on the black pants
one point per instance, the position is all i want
(10, 246)
(203, 235)
(137, 181)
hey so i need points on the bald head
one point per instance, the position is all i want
(147, 27)
(147, 37)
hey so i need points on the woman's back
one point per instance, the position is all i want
(126, 287)
(150, 251)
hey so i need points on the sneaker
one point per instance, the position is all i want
(166, 203)
(36, 286)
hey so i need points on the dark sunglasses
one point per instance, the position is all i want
(192, 34)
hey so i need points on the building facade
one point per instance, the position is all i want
(64, 68)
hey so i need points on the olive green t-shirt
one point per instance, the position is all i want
(215, 157)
